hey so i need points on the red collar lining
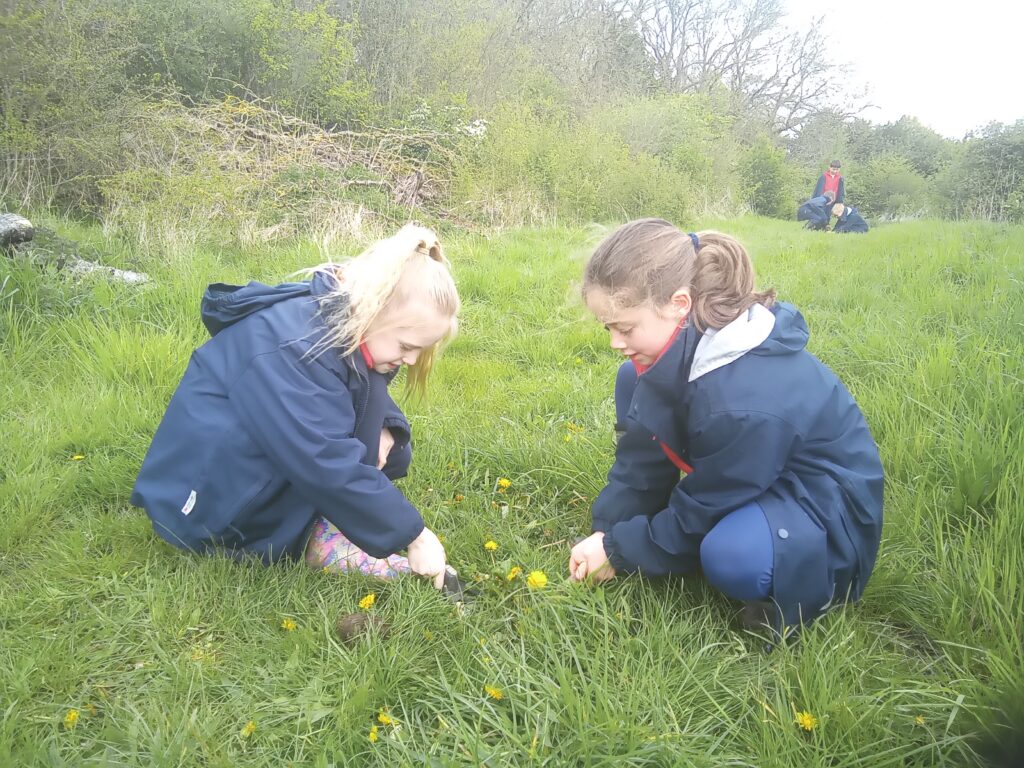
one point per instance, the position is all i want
(641, 368)
(366, 355)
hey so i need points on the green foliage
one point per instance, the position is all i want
(767, 180)
(985, 180)
(167, 656)
(568, 88)
(888, 185)
(530, 165)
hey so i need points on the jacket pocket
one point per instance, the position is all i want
(234, 474)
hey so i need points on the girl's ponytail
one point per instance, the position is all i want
(723, 282)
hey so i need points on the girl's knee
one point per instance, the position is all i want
(737, 556)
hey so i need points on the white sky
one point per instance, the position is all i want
(952, 66)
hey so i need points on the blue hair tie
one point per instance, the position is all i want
(694, 239)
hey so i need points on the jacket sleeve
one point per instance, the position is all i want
(736, 457)
(301, 415)
(639, 482)
(841, 191)
(819, 188)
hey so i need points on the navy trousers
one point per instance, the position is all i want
(738, 554)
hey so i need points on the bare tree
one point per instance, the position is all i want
(741, 45)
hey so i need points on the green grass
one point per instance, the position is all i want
(167, 656)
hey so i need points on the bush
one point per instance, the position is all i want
(768, 183)
(888, 186)
(528, 167)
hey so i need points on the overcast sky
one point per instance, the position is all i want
(953, 67)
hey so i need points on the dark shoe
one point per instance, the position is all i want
(761, 614)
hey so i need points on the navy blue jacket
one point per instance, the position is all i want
(814, 212)
(262, 436)
(819, 189)
(773, 425)
(850, 221)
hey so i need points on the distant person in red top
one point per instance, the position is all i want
(831, 181)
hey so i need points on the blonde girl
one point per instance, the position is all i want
(282, 440)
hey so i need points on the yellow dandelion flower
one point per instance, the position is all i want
(373, 734)
(579, 361)
(806, 720)
(289, 625)
(367, 602)
(494, 693)
(568, 438)
(459, 497)
(248, 729)
(504, 482)
(919, 720)
(514, 573)
(77, 457)
(537, 580)
(491, 545)
(384, 718)
(428, 635)
(441, 538)
(71, 718)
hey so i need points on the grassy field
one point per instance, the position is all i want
(169, 659)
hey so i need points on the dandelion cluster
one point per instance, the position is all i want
(373, 734)
(367, 602)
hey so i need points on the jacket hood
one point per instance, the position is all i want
(225, 305)
(777, 331)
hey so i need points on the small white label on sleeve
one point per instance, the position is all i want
(189, 504)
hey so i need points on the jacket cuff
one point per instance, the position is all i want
(615, 558)
(399, 430)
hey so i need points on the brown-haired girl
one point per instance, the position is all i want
(780, 500)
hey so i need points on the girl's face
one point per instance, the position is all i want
(399, 334)
(642, 332)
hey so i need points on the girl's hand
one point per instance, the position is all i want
(387, 442)
(427, 557)
(588, 558)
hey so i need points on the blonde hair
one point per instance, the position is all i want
(648, 260)
(386, 275)
(838, 210)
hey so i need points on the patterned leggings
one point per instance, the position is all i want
(329, 550)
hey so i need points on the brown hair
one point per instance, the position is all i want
(648, 260)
